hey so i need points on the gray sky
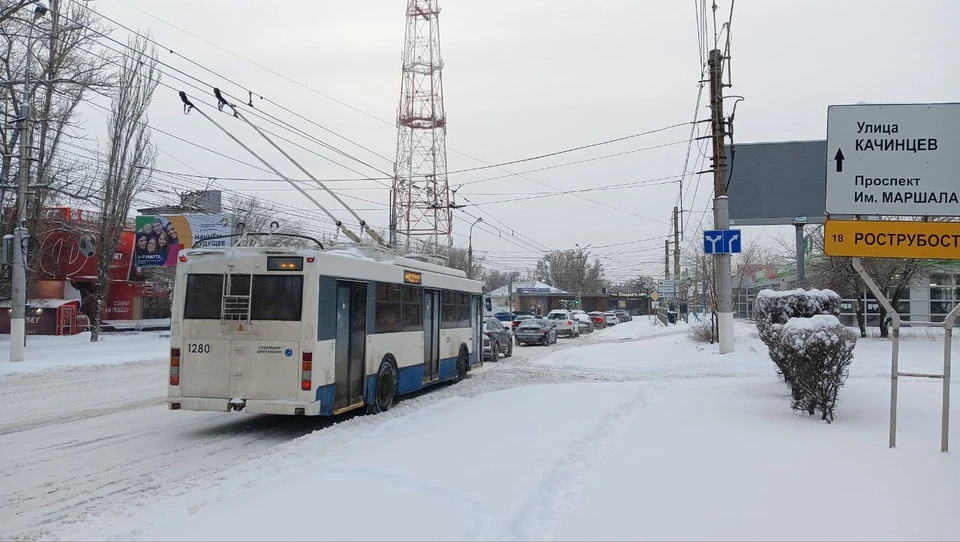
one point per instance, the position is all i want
(531, 77)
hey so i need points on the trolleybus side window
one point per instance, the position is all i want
(411, 314)
(463, 309)
(204, 297)
(388, 308)
(454, 309)
(277, 297)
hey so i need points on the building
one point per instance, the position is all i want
(536, 296)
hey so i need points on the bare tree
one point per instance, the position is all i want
(129, 158)
(257, 216)
(495, 279)
(68, 65)
(568, 270)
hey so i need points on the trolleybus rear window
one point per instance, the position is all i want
(277, 297)
(204, 297)
(272, 297)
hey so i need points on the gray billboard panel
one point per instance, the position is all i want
(771, 184)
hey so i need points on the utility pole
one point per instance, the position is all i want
(18, 293)
(510, 292)
(676, 257)
(470, 248)
(666, 259)
(721, 205)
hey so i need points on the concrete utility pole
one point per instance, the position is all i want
(801, 249)
(721, 205)
(666, 259)
(18, 293)
(676, 257)
(470, 248)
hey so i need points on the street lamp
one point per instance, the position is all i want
(470, 248)
(18, 294)
(580, 264)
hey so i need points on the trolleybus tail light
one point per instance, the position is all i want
(311, 259)
(306, 371)
(174, 366)
(183, 258)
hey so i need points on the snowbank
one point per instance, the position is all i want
(641, 327)
(50, 352)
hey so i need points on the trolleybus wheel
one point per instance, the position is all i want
(386, 389)
(463, 364)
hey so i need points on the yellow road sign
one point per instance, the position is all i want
(889, 239)
(655, 296)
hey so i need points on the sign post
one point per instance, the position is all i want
(895, 161)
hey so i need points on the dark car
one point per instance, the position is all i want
(536, 331)
(501, 340)
(518, 319)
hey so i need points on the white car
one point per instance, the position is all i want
(584, 321)
(564, 322)
(611, 318)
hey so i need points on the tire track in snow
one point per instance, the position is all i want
(560, 492)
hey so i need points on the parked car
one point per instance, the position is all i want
(599, 322)
(501, 340)
(518, 319)
(564, 322)
(536, 331)
(623, 316)
(611, 318)
(503, 316)
(586, 324)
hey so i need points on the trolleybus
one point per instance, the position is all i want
(315, 332)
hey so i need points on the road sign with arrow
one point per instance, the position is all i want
(899, 160)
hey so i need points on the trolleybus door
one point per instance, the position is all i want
(349, 366)
(431, 335)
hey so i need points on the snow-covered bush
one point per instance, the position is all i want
(809, 346)
(818, 352)
(774, 307)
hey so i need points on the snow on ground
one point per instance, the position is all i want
(547, 445)
(49, 352)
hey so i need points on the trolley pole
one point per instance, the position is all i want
(721, 205)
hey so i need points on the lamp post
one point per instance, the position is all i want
(580, 264)
(470, 248)
(18, 294)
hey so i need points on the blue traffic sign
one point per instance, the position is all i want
(721, 241)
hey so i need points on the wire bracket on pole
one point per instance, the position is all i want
(187, 104)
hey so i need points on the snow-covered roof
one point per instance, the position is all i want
(534, 285)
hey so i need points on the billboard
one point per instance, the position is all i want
(60, 257)
(772, 184)
(159, 238)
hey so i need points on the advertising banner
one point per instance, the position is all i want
(160, 238)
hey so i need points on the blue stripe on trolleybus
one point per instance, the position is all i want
(448, 368)
(410, 378)
(325, 396)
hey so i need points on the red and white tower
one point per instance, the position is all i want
(420, 199)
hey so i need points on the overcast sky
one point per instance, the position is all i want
(526, 78)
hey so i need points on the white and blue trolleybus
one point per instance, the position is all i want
(315, 332)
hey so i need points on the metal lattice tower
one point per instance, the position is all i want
(420, 199)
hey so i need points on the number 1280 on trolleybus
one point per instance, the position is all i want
(315, 332)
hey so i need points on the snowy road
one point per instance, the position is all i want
(76, 440)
